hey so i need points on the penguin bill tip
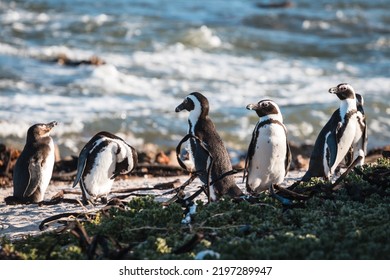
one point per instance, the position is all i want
(52, 124)
(333, 90)
(250, 106)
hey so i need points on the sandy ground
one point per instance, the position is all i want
(18, 221)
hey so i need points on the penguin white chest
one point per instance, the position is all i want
(267, 165)
(97, 181)
(47, 170)
(346, 140)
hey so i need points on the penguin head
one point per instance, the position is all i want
(264, 108)
(126, 158)
(343, 91)
(40, 130)
(196, 103)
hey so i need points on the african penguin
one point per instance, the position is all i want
(201, 126)
(34, 166)
(103, 158)
(336, 137)
(359, 146)
(268, 158)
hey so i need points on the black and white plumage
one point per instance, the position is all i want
(359, 147)
(201, 126)
(103, 158)
(336, 137)
(34, 167)
(269, 156)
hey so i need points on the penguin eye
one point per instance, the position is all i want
(265, 104)
(343, 88)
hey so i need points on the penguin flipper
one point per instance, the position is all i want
(287, 162)
(251, 151)
(331, 148)
(34, 177)
(82, 162)
(364, 137)
(246, 166)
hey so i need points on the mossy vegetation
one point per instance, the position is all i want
(349, 222)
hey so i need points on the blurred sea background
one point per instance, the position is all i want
(158, 51)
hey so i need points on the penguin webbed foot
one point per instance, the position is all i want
(87, 202)
(281, 199)
(104, 199)
(13, 200)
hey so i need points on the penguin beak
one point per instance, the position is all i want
(334, 90)
(51, 124)
(179, 108)
(252, 107)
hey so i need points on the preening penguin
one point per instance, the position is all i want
(268, 157)
(103, 158)
(336, 137)
(34, 167)
(201, 126)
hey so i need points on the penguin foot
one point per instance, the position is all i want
(13, 200)
(104, 199)
(281, 199)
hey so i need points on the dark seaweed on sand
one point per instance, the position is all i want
(349, 222)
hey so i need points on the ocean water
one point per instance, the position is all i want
(158, 51)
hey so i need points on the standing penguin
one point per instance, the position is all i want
(336, 137)
(103, 158)
(201, 126)
(34, 167)
(359, 147)
(269, 156)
